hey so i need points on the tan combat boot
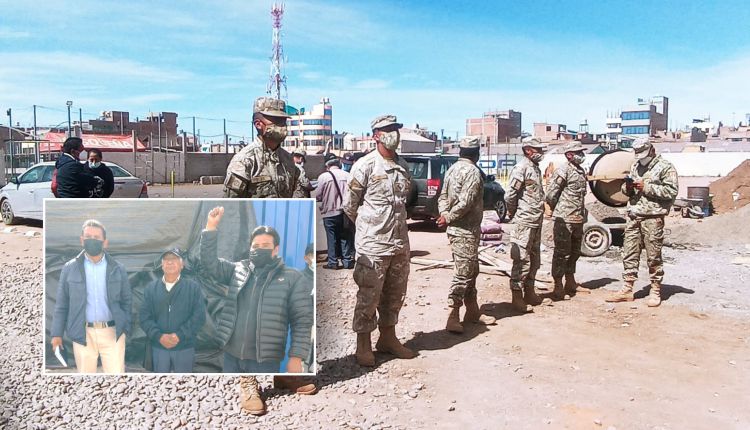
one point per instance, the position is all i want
(474, 316)
(388, 342)
(250, 399)
(624, 295)
(454, 321)
(654, 297)
(559, 292)
(517, 302)
(364, 354)
(298, 384)
(530, 297)
(571, 286)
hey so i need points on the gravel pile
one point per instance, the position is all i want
(350, 397)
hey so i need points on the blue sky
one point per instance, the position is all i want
(432, 63)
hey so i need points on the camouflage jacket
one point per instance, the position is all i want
(303, 191)
(659, 188)
(376, 199)
(461, 200)
(256, 171)
(525, 196)
(566, 193)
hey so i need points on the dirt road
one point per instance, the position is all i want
(579, 364)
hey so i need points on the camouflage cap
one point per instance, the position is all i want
(270, 107)
(574, 146)
(533, 142)
(299, 152)
(384, 121)
(642, 147)
(469, 142)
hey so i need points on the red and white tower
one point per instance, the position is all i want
(277, 79)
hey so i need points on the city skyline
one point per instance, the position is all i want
(431, 63)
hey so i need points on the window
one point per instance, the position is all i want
(635, 130)
(549, 128)
(316, 122)
(327, 112)
(418, 169)
(118, 172)
(47, 177)
(33, 175)
(294, 122)
(613, 125)
(626, 116)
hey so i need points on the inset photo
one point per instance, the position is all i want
(222, 286)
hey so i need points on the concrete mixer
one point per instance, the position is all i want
(606, 175)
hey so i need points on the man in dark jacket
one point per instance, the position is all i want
(93, 305)
(72, 180)
(97, 168)
(172, 313)
(263, 301)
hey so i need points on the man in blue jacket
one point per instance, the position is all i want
(93, 304)
(172, 313)
(72, 180)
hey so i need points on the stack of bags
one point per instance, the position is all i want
(492, 231)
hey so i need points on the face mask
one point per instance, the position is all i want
(261, 257)
(301, 164)
(94, 165)
(537, 157)
(579, 159)
(93, 247)
(644, 161)
(390, 140)
(275, 133)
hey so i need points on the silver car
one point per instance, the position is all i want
(24, 196)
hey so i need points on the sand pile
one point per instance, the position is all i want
(738, 180)
(730, 228)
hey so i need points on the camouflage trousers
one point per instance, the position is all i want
(568, 238)
(524, 250)
(382, 287)
(648, 234)
(464, 249)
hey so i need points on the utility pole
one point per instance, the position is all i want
(226, 142)
(80, 120)
(36, 140)
(69, 104)
(195, 141)
(10, 140)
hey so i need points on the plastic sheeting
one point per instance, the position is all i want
(139, 230)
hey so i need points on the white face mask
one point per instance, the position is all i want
(301, 164)
(94, 165)
(390, 140)
(579, 158)
(644, 161)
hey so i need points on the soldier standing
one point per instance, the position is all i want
(565, 195)
(264, 168)
(525, 203)
(376, 201)
(652, 188)
(461, 207)
(304, 183)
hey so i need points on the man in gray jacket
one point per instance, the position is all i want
(263, 301)
(93, 304)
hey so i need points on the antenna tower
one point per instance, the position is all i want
(277, 79)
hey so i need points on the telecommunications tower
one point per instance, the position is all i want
(277, 79)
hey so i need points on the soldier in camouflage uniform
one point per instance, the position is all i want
(304, 183)
(652, 188)
(525, 203)
(376, 201)
(264, 168)
(566, 193)
(461, 207)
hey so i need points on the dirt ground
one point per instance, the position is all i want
(578, 364)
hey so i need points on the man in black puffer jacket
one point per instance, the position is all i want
(263, 300)
(72, 180)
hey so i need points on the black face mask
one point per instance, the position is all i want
(261, 257)
(93, 247)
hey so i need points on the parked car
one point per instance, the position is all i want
(24, 196)
(428, 172)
